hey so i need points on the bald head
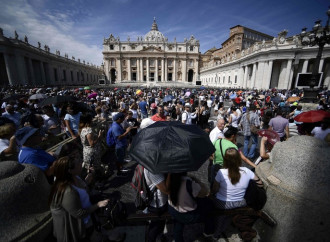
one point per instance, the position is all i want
(221, 124)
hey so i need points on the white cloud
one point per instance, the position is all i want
(52, 28)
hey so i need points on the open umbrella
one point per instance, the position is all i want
(171, 147)
(87, 88)
(187, 94)
(202, 88)
(57, 100)
(276, 99)
(115, 89)
(38, 96)
(312, 116)
(293, 99)
(138, 92)
(93, 95)
(272, 136)
(168, 98)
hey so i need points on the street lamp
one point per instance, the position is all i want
(318, 36)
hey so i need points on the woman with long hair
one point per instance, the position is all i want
(188, 204)
(230, 186)
(233, 117)
(91, 143)
(69, 202)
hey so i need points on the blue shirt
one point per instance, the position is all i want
(143, 107)
(117, 130)
(74, 122)
(35, 156)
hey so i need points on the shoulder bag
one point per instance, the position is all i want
(253, 128)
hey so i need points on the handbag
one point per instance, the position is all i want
(255, 196)
(253, 128)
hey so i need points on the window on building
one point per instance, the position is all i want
(124, 62)
(151, 62)
(223, 81)
(112, 62)
(191, 48)
(124, 48)
(78, 77)
(235, 79)
(111, 47)
(169, 62)
(133, 62)
(133, 47)
(229, 79)
(180, 48)
(191, 62)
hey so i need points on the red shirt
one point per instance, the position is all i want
(158, 118)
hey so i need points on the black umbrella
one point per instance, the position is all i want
(57, 100)
(171, 147)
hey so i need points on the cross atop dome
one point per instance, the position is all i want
(154, 25)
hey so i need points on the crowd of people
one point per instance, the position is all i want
(26, 123)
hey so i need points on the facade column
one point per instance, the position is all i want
(184, 70)
(305, 65)
(137, 69)
(321, 65)
(156, 70)
(165, 69)
(174, 78)
(287, 81)
(259, 74)
(118, 62)
(129, 77)
(147, 70)
(268, 75)
(253, 78)
(141, 70)
(196, 77)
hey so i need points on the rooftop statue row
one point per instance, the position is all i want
(45, 48)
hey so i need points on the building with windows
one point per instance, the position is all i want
(151, 59)
(275, 63)
(24, 64)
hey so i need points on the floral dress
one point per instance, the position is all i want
(92, 155)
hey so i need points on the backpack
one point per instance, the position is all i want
(111, 141)
(143, 195)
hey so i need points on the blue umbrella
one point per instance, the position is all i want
(168, 98)
(202, 87)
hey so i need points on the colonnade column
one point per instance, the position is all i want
(33, 81)
(129, 77)
(43, 75)
(305, 65)
(240, 77)
(253, 78)
(137, 69)
(268, 74)
(156, 70)
(141, 70)
(287, 81)
(246, 70)
(260, 74)
(196, 70)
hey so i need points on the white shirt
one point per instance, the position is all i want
(319, 133)
(186, 116)
(209, 103)
(215, 134)
(230, 192)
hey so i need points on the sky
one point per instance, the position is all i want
(77, 27)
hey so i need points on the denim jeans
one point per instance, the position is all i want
(250, 154)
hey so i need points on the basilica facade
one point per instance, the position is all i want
(151, 59)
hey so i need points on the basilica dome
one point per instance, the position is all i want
(154, 34)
